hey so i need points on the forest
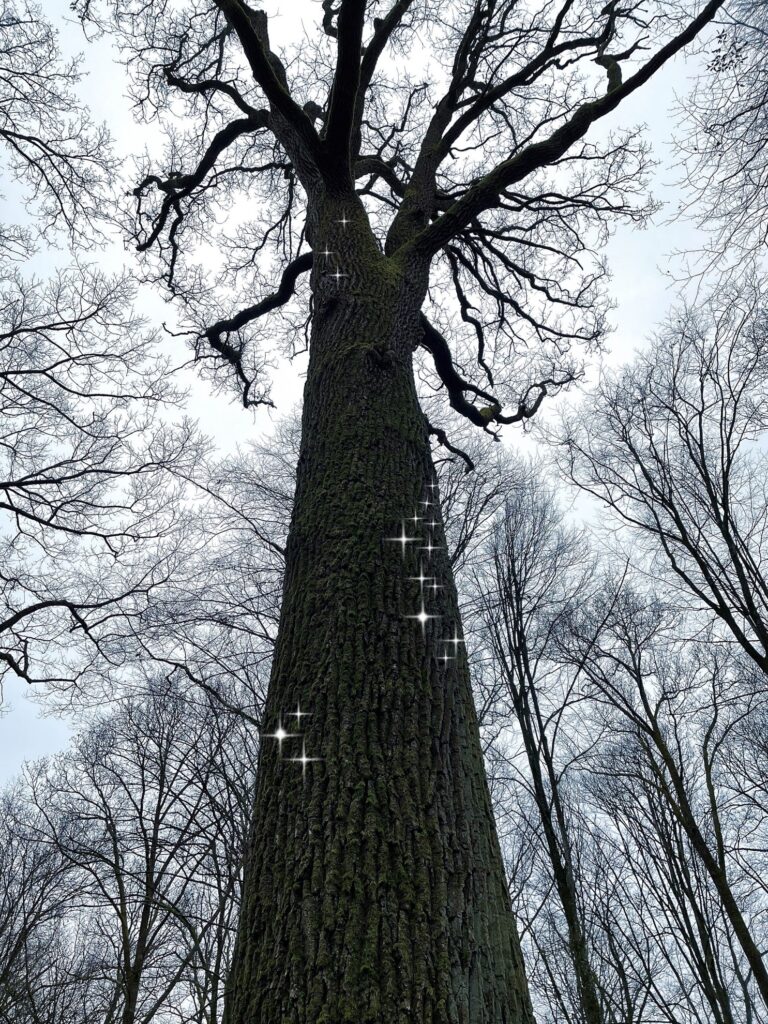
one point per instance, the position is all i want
(439, 696)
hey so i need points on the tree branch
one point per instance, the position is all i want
(442, 438)
(233, 354)
(455, 385)
(181, 185)
(337, 138)
(485, 193)
(269, 73)
(384, 28)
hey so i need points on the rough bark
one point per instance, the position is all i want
(374, 885)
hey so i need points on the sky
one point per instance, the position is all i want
(638, 259)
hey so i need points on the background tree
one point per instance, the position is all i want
(91, 518)
(680, 708)
(725, 130)
(536, 571)
(147, 816)
(672, 446)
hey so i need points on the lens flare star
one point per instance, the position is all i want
(280, 735)
(298, 714)
(404, 540)
(423, 617)
(455, 640)
(304, 760)
(421, 579)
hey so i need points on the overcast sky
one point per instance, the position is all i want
(638, 260)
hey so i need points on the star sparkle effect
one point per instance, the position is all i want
(421, 579)
(298, 714)
(455, 640)
(281, 734)
(425, 521)
(304, 761)
(423, 617)
(343, 220)
(429, 547)
(403, 540)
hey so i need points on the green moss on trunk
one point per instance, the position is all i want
(374, 887)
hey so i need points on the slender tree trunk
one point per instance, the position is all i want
(374, 886)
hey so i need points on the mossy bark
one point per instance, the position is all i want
(374, 887)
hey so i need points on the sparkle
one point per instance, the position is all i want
(423, 617)
(344, 221)
(455, 640)
(304, 760)
(445, 658)
(403, 539)
(337, 275)
(432, 487)
(430, 547)
(414, 519)
(327, 252)
(433, 523)
(426, 504)
(434, 585)
(298, 714)
(421, 578)
(279, 734)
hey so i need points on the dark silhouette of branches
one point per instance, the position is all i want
(725, 131)
(52, 147)
(487, 176)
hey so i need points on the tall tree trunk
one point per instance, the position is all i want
(374, 887)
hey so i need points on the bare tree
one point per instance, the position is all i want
(679, 709)
(537, 570)
(671, 446)
(379, 187)
(725, 122)
(33, 898)
(92, 518)
(91, 522)
(147, 813)
(53, 149)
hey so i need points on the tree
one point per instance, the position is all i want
(374, 886)
(147, 816)
(671, 446)
(32, 903)
(92, 525)
(52, 147)
(46, 967)
(680, 708)
(537, 567)
(725, 133)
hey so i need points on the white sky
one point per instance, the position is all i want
(638, 261)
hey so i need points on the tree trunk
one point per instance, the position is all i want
(374, 887)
